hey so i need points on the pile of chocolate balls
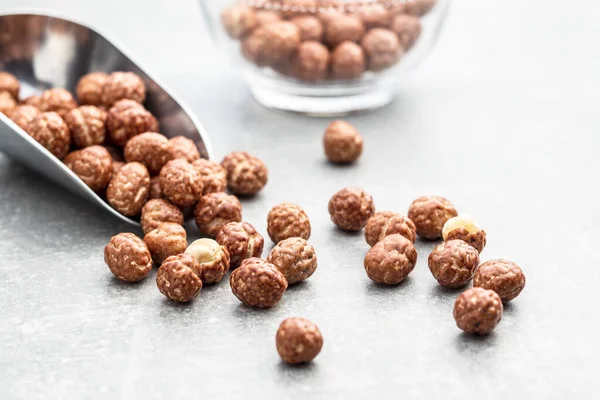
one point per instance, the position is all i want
(161, 180)
(319, 40)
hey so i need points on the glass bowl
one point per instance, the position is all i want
(325, 57)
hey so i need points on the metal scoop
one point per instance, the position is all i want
(46, 51)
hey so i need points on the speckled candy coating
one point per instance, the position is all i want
(59, 100)
(149, 148)
(464, 227)
(429, 214)
(22, 115)
(176, 278)
(298, 341)
(49, 130)
(246, 174)
(9, 83)
(453, 263)
(213, 259)
(157, 211)
(127, 119)
(478, 311)
(351, 208)
(281, 39)
(89, 88)
(155, 190)
(128, 257)
(390, 260)
(295, 258)
(180, 183)
(168, 239)
(502, 276)
(385, 223)
(123, 85)
(128, 189)
(241, 240)
(213, 175)
(342, 142)
(182, 147)
(258, 283)
(87, 125)
(287, 220)
(382, 49)
(93, 165)
(215, 210)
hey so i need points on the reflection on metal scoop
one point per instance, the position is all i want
(45, 51)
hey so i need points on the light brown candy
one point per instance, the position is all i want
(351, 208)
(213, 259)
(264, 17)
(180, 183)
(87, 125)
(453, 263)
(408, 29)
(390, 260)
(478, 311)
(310, 27)
(287, 220)
(128, 189)
(213, 175)
(298, 341)
(123, 85)
(246, 174)
(22, 115)
(182, 147)
(58, 100)
(168, 239)
(7, 103)
(375, 15)
(502, 276)
(128, 258)
(241, 240)
(280, 41)
(311, 62)
(295, 258)
(385, 223)
(429, 214)
(176, 278)
(126, 119)
(215, 210)
(344, 28)
(10, 84)
(32, 101)
(348, 61)
(151, 149)
(258, 283)
(157, 211)
(382, 48)
(464, 227)
(342, 142)
(238, 20)
(419, 8)
(93, 165)
(49, 130)
(89, 88)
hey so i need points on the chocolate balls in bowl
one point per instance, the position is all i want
(306, 55)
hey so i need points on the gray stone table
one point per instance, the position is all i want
(502, 119)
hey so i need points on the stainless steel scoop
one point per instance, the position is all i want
(46, 51)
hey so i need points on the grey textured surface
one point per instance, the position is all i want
(501, 119)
